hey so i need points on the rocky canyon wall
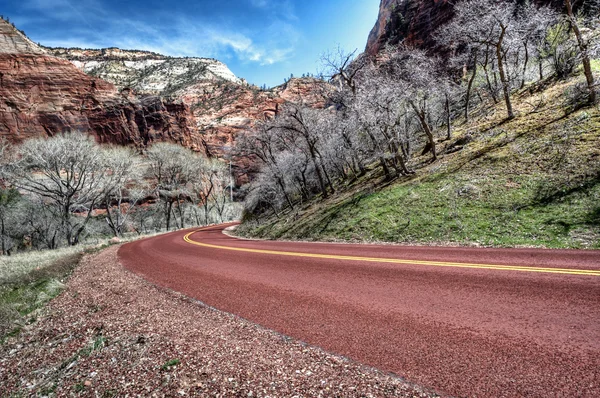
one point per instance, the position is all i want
(415, 22)
(42, 95)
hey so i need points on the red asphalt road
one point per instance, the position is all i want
(457, 331)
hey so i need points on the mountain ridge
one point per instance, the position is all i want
(148, 73)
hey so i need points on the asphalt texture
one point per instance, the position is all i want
(476, 331)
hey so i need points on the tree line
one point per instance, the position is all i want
(62, 190)
(384, 110)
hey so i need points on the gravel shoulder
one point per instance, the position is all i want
(111, 333)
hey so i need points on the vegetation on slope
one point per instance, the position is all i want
(28, 281)
(530, 181)
(417, 148)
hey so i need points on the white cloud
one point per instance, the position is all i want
(179, 35)
(280, 8)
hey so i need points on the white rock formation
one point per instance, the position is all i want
(146, 72)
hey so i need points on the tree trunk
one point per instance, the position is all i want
(66, 224)
(81, 228)
(503, 79)
(587, 67)
(313, 157)
(168, 206)
(448, 118)
(487, 78)
(386, 169)
(423, 120)
(399, 159)
(3, 232)
(282, 186)
(327, 178)
(181, 212)
(526, 62)
(469, 88)
(109, 219)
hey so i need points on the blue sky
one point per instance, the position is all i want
(263, 41)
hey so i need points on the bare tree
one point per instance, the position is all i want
(487, 24)
(302, 128)
(560, 48)
(423, 82)
(68, 172)
(173, 168)
(532, 24)
(263, 144)
(584, 48)
(9, 197)
(379, 111)
(124, 189)
(220, 195)
(344, 67)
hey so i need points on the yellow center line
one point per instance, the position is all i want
(568, 271)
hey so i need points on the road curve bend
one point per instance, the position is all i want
(461, 321)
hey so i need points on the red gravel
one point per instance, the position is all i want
(464, 332)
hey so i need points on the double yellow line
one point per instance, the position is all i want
(567, 271)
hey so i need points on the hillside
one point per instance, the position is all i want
(530, 181)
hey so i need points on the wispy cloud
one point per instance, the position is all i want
(260, 3)
(281, 8)
(176, 35)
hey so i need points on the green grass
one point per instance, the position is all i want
(28, 281)
(169, 364)
(532, 181)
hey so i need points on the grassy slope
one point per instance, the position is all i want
(28, 281)
(531, 181)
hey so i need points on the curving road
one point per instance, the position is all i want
(461, 321)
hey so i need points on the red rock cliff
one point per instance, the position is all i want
(224, 110)
(41, 95)
(414, 21)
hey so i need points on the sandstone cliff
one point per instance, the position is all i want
(134, 97)
(43, 95)
(223, 109)
(415, 21)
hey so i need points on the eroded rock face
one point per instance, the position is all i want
(415, 21)
(224, 110)
(410, 20)
(42, 95)
(223, 105)
(15, 41)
